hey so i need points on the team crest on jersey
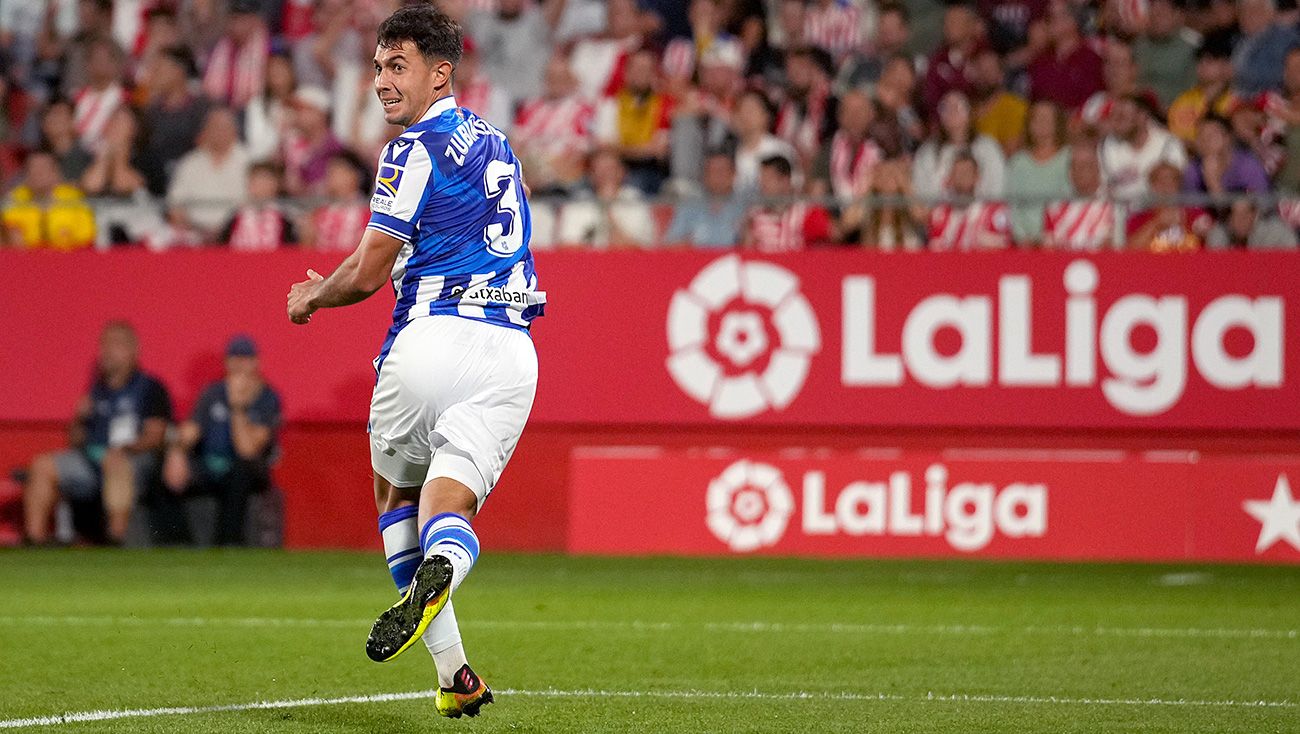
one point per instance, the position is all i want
(392, 167)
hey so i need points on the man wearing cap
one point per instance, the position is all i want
(226, 447)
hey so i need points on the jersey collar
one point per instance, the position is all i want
(439, 107)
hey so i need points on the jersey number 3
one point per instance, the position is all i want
(504, 234)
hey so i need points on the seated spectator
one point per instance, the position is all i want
(702, 115)
(899, 128)
(311, 143)
(172, 118)
(635, 122)
(949, 67)
(713, 219)
(956, 133)
(113, 172)
(337, 225)
(1000, 113)
(1134, 148)
(1068, 72)
(114, 445)
(596, 60)
(964, 223)
(892, 224)
(782, 222)
(553, 131)
(236, 67)
(267, 116)
(1260, 53)
(1220, 165)
(1085, 222)
(96, 102)
(834, 27)
(1165, 54)
(1167, 226)
(226, 447)
(59, 137)
(45, 211)
(510, 40)
(806, 114)
(260, 224)
(682, 54)
(865, 66)
(1246, 229)
(1284, 115)
(752, 125)
(846, 164)
(211, 180)
(1212, 92)
(1120, 72)
(612, 215)
(1038, 174)
(480, 93)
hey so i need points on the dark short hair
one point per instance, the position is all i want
(433, 32)
(183, 57)
(778, 163)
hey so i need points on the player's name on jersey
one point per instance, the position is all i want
(465, 135)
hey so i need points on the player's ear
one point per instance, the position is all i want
(442, 72)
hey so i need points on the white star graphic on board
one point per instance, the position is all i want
(1279, 517)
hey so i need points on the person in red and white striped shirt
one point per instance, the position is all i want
(260, 225)
(95, 103)
(967, 225)
(337, 225)
(553, 132)
(835, 26)
(779, 224)
(1086, 222)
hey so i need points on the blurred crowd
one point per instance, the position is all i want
(1163, 125)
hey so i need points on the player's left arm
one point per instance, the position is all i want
(365, 271)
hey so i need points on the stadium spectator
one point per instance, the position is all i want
(891, 223)
(1220, 165)
(597, 60)
(1120, 75)
(1134, 147)
(834, 26)
(612, 214)
(1086, 221)
(211, 180)
(956, 134)
(1039, 174)
(963, 223)
(236, 67)
(553, 131)
(267, 116)
(752, 126)
(949, 68)
(1261, 51)
(101, 96)
(310, 145)
(867, 64)
(59, 138)
(1067, 72)
(337, 225)
(479, 92)
(791, 24)
(682, 54)
(713, 219)
(899, 127)
(1212, 91)
(702, 116)
(72, 52)
(806, 114)
(510, 41)
(1284, 111)
(227, 446)
(1246, 228)
(1016, 28)
(636, 121)
(162, 31)
(113, 172)
(999, 112)
(1165, 54)
(781, 222)
(846, 165)
(45, 211)
(172, 117)
(260, 224)
(1167, 226)
(114, 444)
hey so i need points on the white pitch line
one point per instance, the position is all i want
(641, 626)
(113, 714)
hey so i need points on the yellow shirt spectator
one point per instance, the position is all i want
(64, 222)
(1003, 119)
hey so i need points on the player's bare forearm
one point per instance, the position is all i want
(342, 287)
(365, 271)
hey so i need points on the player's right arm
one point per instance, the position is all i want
(365, 271)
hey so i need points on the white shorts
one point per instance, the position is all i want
(451, 400)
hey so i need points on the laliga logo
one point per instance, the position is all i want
(741, 337)
(749, 506)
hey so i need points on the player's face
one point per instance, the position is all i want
(406, 83)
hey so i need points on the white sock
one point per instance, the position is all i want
(450, 536)
(443, 640)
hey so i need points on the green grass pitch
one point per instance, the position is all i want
(654, 645)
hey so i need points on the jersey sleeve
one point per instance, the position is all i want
(401, 188)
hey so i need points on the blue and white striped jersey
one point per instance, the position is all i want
(452, 189)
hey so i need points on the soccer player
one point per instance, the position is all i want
(456, 376)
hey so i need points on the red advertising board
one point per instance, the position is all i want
(1057, 505)
(823, 338)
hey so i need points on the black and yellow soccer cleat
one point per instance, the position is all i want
(403, 623)
(467, 695)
